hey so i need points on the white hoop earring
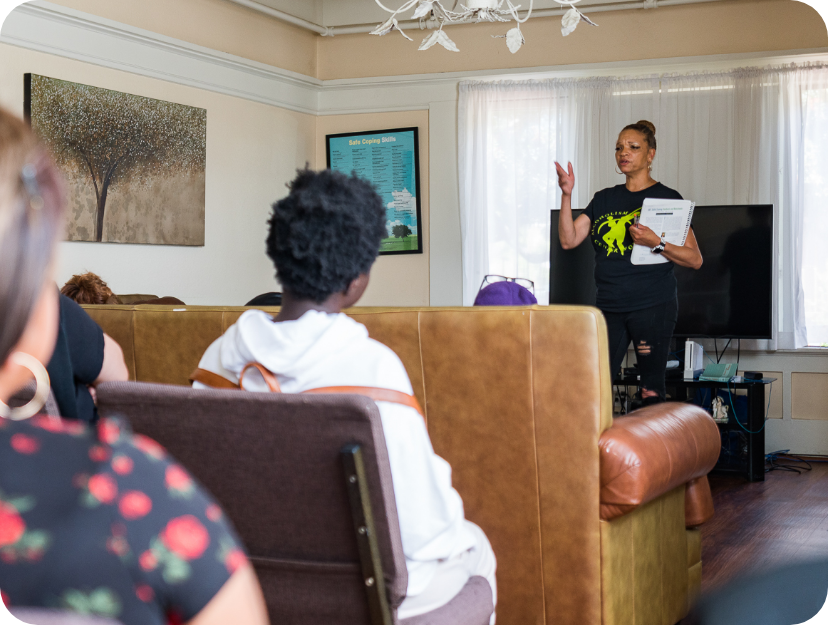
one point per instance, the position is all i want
(37, 402)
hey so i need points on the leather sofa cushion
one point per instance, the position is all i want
(653, 451)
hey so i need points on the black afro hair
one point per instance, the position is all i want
(325, 233)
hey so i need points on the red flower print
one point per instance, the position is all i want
(235, 560)
(145, 593)
(134, 504)
(99, 453)
(109, 431)
(12, 526)
(58, 425)
(185, 536)
(148, 561)
(102, 487)
(5, 599)
(174, 618)
(33, 554)
(50, 424)
(24, 444)
(176, 478)
(117, 545)
(213, 512)
(122, 465)
(148, 446)
(71, 426)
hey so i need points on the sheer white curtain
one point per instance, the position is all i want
(782, 158)
(755, 135)
(811, 87)
(506, 161)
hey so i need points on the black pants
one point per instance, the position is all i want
(650, 330)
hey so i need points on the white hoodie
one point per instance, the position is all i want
(321, 350)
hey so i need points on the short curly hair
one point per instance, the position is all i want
(325, 233)
(88, 288)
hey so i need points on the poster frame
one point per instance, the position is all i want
(415, 131)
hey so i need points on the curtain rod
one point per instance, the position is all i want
(330, 31)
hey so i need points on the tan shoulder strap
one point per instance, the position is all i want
(269, 378)
(213, 380)
(377, 394)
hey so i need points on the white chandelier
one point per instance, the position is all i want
(432, 12)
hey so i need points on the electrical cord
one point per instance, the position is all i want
(772, 462)
(736, 417)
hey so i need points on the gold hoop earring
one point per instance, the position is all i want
(37, 402)
(620, 173)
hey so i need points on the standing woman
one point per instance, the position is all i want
(639, 302)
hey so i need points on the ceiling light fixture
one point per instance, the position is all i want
(432, 14)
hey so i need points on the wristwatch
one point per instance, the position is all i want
(658, 249)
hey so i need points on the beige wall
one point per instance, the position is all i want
(400, 279)
(215, 24)
(810, 396)
(667, 32)
(252, 151)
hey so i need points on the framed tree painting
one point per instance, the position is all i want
(135, 166)
(390, 160)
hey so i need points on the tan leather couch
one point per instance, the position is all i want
(517, 400)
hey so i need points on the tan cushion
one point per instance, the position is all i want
(651, 452)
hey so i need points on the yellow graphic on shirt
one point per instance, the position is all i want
(616, 225)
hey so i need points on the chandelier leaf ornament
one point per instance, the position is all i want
(432, 14)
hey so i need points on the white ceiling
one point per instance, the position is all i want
(357, 12)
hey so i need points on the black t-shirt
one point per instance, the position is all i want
(622, 286)
(105, 523)
(76, 361)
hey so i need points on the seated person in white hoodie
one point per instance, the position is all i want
(324, 237)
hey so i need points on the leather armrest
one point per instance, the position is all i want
(654, 450)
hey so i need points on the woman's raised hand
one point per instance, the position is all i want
(566, 179)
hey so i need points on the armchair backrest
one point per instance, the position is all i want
(274, 463)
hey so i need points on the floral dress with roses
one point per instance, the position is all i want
(103, 522)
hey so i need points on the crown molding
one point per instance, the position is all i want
(61, 31)
(57, 30)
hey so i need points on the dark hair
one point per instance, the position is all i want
(89, 288)
(31, 207)
(266, 299)
(325, 233)
(645, 128)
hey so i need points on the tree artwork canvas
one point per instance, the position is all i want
(135, 166)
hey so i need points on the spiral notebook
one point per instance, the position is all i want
(667, 218)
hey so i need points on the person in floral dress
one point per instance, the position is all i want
(98, 521)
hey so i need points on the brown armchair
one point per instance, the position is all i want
(306, 481)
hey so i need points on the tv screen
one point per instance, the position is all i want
(730, 296)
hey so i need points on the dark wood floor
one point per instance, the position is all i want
(759, 525)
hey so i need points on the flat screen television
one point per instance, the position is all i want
(729, 297)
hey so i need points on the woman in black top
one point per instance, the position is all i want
(639, 302)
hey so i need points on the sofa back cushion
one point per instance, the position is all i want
(515, 400)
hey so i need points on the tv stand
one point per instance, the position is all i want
(753, 464)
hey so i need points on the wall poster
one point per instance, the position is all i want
(390, 160)
(134, 166)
